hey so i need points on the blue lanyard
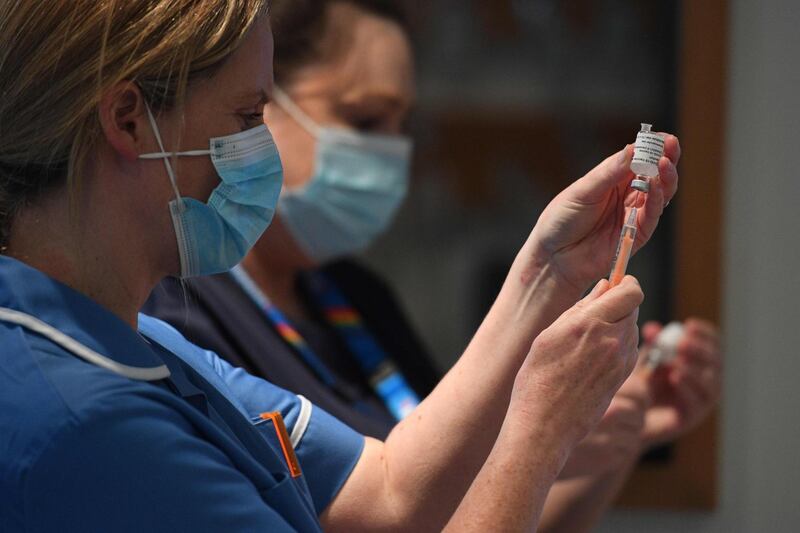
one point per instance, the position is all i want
(383, 375)
(285, 329)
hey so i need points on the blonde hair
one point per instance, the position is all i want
(58, 57)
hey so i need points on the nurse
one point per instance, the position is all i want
(315, 321)
(132, 147)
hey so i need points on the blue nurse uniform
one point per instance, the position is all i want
(103, 428)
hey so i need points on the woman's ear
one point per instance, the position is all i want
(123, 118)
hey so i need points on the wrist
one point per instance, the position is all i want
(535, 440)
(536, 286)
(544, 425)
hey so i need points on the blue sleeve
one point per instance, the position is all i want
(327, 449)
(141, 467)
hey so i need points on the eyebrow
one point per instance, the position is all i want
(261, 94)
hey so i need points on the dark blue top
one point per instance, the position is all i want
(104, 430)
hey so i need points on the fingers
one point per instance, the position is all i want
(703, 329)
(650, 331)
(672, 148)
(701, 383)
(667, 178)
(662, 190)
(698, 351)
(615, 170)
(698, 365)
(618, 303)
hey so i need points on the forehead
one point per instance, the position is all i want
(249, 68)
(373, 54)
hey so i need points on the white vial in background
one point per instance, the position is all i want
(647, 152)
(665, 347)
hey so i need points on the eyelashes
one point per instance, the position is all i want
(251, 119)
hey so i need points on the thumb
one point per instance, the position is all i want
(615, 170)
(618, 302)
(597, 291)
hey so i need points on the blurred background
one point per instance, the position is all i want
(517, 98)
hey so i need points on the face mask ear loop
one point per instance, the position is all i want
(294, 111)
(167, 165)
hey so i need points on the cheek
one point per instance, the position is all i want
(297, 148)
(196, 177)
(298, 162)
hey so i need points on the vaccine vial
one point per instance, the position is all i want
(647, 153)
(665, 348)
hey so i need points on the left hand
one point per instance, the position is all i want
(577, 233)
(685, 390)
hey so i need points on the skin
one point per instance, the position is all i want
(541, 394)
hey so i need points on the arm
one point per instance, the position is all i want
(538, 432)
(682, 394)
(599, 466)
(428, 462)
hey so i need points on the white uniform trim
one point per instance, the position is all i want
(303, 419)
(68, 343)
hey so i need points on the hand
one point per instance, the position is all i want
(577, 233)
(616, 442)
(577, 364)
(685, 390)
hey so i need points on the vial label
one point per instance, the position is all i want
(647, 152)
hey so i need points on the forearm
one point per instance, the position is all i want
(510, 490)
(420, 474)
(457, 425)
(576, 505)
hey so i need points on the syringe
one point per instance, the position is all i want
(647, 152)
(624, 249)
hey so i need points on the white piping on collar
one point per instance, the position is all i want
(46, 330)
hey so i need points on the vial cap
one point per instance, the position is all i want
(646, 127)
(641, 185)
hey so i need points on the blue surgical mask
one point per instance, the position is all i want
(215, 236)
(358, 184)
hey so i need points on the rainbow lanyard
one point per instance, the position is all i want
(384, 377)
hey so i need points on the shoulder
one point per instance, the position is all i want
(44, 389)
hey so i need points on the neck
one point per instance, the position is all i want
(89, 256)
(274, 264)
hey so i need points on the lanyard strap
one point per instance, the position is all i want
(284, 328)
(384, 378)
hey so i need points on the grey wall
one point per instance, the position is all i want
(760, 463)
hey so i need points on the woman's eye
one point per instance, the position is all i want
(254, 118)
(368, 124)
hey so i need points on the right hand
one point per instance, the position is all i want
(577, 364)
